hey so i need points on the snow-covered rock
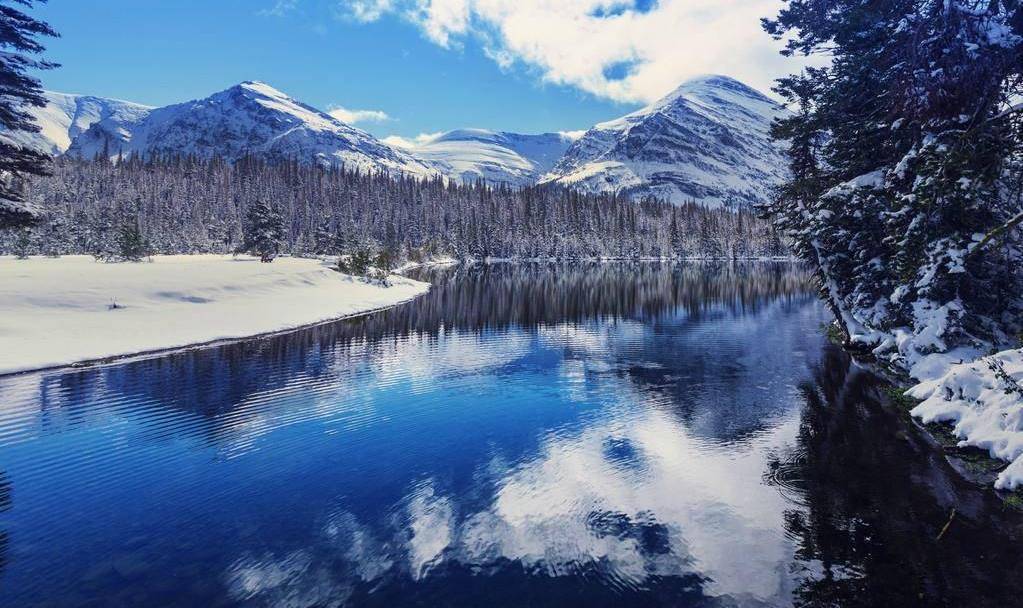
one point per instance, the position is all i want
(708, 142)
(495, 156)
(65, 117)
(984, 400)
(60, 311)
(249, 118)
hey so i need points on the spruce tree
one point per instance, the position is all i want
(264, 232)
(904, 155)
(19, 47)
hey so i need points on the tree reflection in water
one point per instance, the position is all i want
(871, 495)
(5, 505)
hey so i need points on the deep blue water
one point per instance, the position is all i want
(524, 435)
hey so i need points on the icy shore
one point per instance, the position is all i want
(983, 399)
(65, 310)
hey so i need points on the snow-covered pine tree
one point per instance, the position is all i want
(19, 44)
(905, 167)
(23, 243)
(264, 232)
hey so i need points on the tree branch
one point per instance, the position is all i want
(990, 236)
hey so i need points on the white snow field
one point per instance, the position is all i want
(59, 311)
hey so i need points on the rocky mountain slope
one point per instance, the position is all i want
(249, 118)
(705, 142)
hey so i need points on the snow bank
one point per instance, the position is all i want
(60, 311)
(984, 400)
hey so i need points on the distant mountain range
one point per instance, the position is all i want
(706, 142)
(495, 156)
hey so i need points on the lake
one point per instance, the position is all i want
(529, 434)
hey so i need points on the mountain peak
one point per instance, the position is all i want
(706, 85)
(259, 87)
(707, 141)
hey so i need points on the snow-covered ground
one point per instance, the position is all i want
(60, 311)
(984, 400)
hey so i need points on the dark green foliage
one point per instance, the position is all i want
(131, 244)
(264, 232)
(19, 89)
(386, 260)
(904, 152)
(358, 263)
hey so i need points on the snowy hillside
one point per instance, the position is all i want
(65, 117)
(249, 118)
(707, 142)
(495, 156)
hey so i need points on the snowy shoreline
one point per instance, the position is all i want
(64, 311)
(982, 399)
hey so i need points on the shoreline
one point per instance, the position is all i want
(973, 464)
(75, 312)
(218, 342)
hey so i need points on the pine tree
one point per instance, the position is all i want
(18, 89)
(264, 232)
(23, 243)
(132, 246)
(904, 155)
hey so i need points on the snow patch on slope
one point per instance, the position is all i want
(495, 156)
(65, 117)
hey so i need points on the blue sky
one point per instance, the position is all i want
(429, 65)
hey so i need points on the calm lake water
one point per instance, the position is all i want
(525, 435)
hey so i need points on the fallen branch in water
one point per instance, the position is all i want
(947, 524)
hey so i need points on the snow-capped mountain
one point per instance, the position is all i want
(706, 142)
(65, 117)
(249, 118)
(496, 156)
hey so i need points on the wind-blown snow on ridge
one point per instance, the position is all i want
(498, 157)
(248, 118)
(707, 142)
(66, 116)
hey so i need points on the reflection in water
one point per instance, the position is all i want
(5, 505)
(524, 434)
(872, 539)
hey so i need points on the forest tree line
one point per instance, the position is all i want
(189, 205)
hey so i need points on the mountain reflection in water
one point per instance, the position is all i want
(598, 434)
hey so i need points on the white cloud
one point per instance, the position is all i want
(572, 135)
(404, 142)
(576, 42)
(355, 116)
(280, 8)
(364, 11)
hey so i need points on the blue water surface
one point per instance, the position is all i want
(605, 434)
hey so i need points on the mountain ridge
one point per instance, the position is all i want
(707, 141)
